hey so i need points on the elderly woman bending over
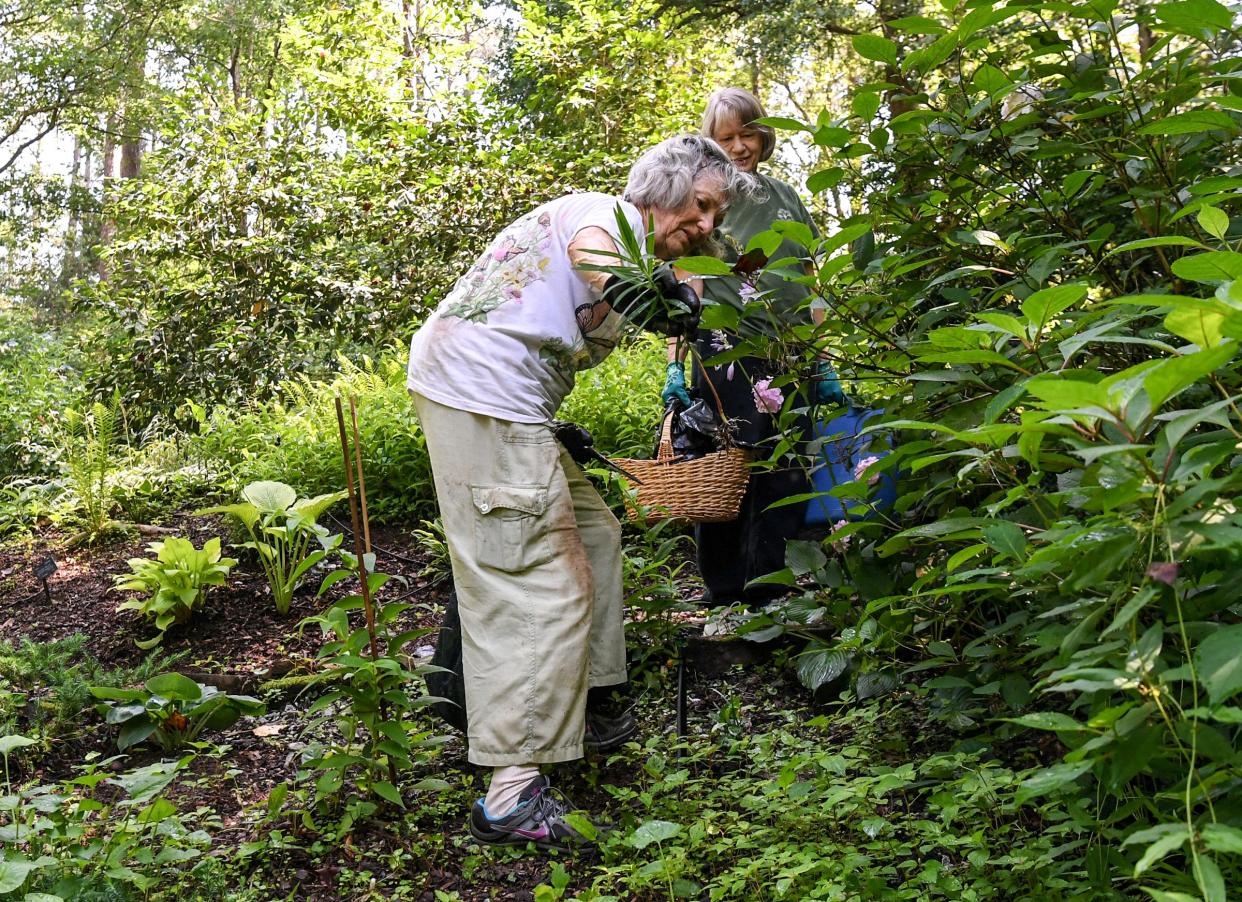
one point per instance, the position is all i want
(536, 553)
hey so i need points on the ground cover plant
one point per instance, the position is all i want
(1019, 681)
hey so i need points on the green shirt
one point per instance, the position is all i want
(780, 299)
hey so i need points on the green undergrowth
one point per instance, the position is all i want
(768, 797)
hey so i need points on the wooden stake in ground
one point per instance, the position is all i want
(359, 549)
(362, 541)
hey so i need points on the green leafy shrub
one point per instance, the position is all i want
(281, 528)
(297, 439)
(368, 701)
(176, 580)
(99, 835)
(618, 402)
(1042, 296)
(171, 709)
(40, 376)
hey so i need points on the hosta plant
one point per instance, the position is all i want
(171, 709)
(175, 581)
(282, 529)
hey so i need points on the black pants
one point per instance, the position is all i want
(733, 553)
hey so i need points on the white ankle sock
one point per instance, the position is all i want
(507, 784)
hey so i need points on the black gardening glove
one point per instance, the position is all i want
(672, 308)
(576, 440)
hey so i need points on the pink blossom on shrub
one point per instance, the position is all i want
(767, 398)
(861, 467)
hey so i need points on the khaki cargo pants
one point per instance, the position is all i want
(537, 564)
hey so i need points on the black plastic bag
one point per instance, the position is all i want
(449, 684)
(696, 430)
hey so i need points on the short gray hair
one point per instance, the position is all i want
(740, 106)
(664, 175)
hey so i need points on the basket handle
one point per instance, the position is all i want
(664, 449)
(706, 378)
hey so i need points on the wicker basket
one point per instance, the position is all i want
(705, 489)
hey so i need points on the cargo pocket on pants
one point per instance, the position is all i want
(509, 533)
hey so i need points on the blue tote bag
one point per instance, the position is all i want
(841, 452)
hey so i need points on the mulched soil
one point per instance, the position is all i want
(238, 635)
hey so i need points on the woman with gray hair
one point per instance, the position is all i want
(732, 554)
(535, 551)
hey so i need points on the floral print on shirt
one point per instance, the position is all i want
(518, 257)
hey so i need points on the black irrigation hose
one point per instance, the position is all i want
(345, 528)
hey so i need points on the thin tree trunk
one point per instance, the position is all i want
(69, 264)
(107, 226)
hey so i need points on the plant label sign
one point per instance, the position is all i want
(44, 567)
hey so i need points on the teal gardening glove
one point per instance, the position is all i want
(827, 390)
(675, 384)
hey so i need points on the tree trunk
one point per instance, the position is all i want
(107, 226)
(69, 263)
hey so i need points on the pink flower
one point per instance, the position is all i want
(767, 398)
(747, 292)
(844, 541)
(861, 467)
(1163, 572)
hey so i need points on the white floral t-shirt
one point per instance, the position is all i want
(511, 335)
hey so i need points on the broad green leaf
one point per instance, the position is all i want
(1004, 322)
(1046, 303)
(1048, 720)
(969, 357)
(1051, 779)
(1006, 537)
(134, 732)
(1195, 14)
(270, 497)
(583, 825)
(704, 266)
(804, 557)
(1214, 221)
(825, 179)
(1218, 662)
(388, 792)
(1211, 881)
(821, 665)
(945, 527)
(1059, 393)
(1173, 839)
(875, 47)
(989, 79)
(1176, 374)
(1213, 266)
(845, 236)
(928, 58)
(1162, 241)
(160, 809)
(1190, 123)
(175, 686)
(244, 511)
(433, 784)
(865, 104)
(14, 871)
(1200, 327)
(1222, 838)
(653, 831)
(785, 123)
(312, 508)
(13, 741)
